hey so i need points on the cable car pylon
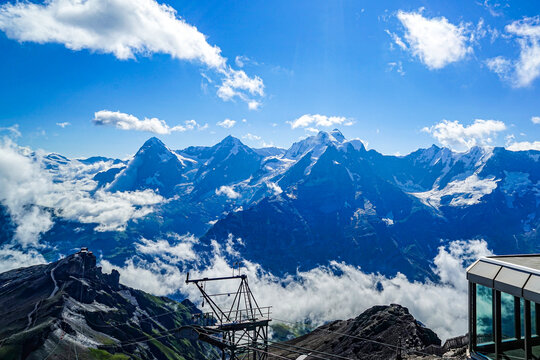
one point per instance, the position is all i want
(239, 329)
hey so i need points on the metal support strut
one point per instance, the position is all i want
(239, 327)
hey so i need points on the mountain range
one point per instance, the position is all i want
(325, 198)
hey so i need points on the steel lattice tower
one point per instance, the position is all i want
(240, 329)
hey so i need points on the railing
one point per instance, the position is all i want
(235, 316)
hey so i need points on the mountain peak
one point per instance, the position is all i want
(230, 144)
(337, 135)
(230, 140)
(153, 141)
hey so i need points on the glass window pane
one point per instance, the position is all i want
(507, 316)
(484, 315)
(533, 319)
(522, 312)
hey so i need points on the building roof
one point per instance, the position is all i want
(518, 275)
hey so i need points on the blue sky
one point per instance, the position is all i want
(398, 75)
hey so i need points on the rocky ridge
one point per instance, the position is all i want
(70, 309)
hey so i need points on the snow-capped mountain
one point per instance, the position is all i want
(153, 166)
(325, 198)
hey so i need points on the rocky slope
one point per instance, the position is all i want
(69, 309)
(376, 334)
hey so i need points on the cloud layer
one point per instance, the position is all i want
(32, 195)
(125, 121)
(311, 295)
(454, 135)
(434, 41)
(126, 29)
(524, 145)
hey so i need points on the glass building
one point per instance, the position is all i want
(504, 307)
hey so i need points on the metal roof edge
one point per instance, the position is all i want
(474, 263)
(495, 261)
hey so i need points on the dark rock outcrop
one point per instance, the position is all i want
(375, 334)
(70, 309)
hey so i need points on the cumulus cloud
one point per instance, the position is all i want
(63, 124)
(520, 72)
(237, 83)
(126, 29)
(12, 258)
(449, 261)
(535, 119)
(254, 105)
(177, 249)
(434, 41)
(33, 194)
(308, 120)
(227, 123)
(158, 277)
(228, 191)
(459, 137)
(22, 182)
(524, 145)
(125, 121)
(110, 211)
(442, 305)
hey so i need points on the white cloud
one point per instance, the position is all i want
(227, 123)
(500, 66)
(179, 251)
(251, 137)
(442, 306)
(308, 120)
(523, 71)
(126, 29)
(22, 182)
(12, 131)
(32, 194)
(524, 145)
(494, 7)
(436, 41)
(227, 191)
(125, 121)
(241, 60)
(257, 139)
(11, 258)
(111, 211)
(237, 84)
(158, 277)
(63, 124)
(457, 136)
(190, 125)
(397, 66)
(535, 119)
(449, 261)
(254, 105)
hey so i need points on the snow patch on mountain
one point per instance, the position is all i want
(459, 192)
